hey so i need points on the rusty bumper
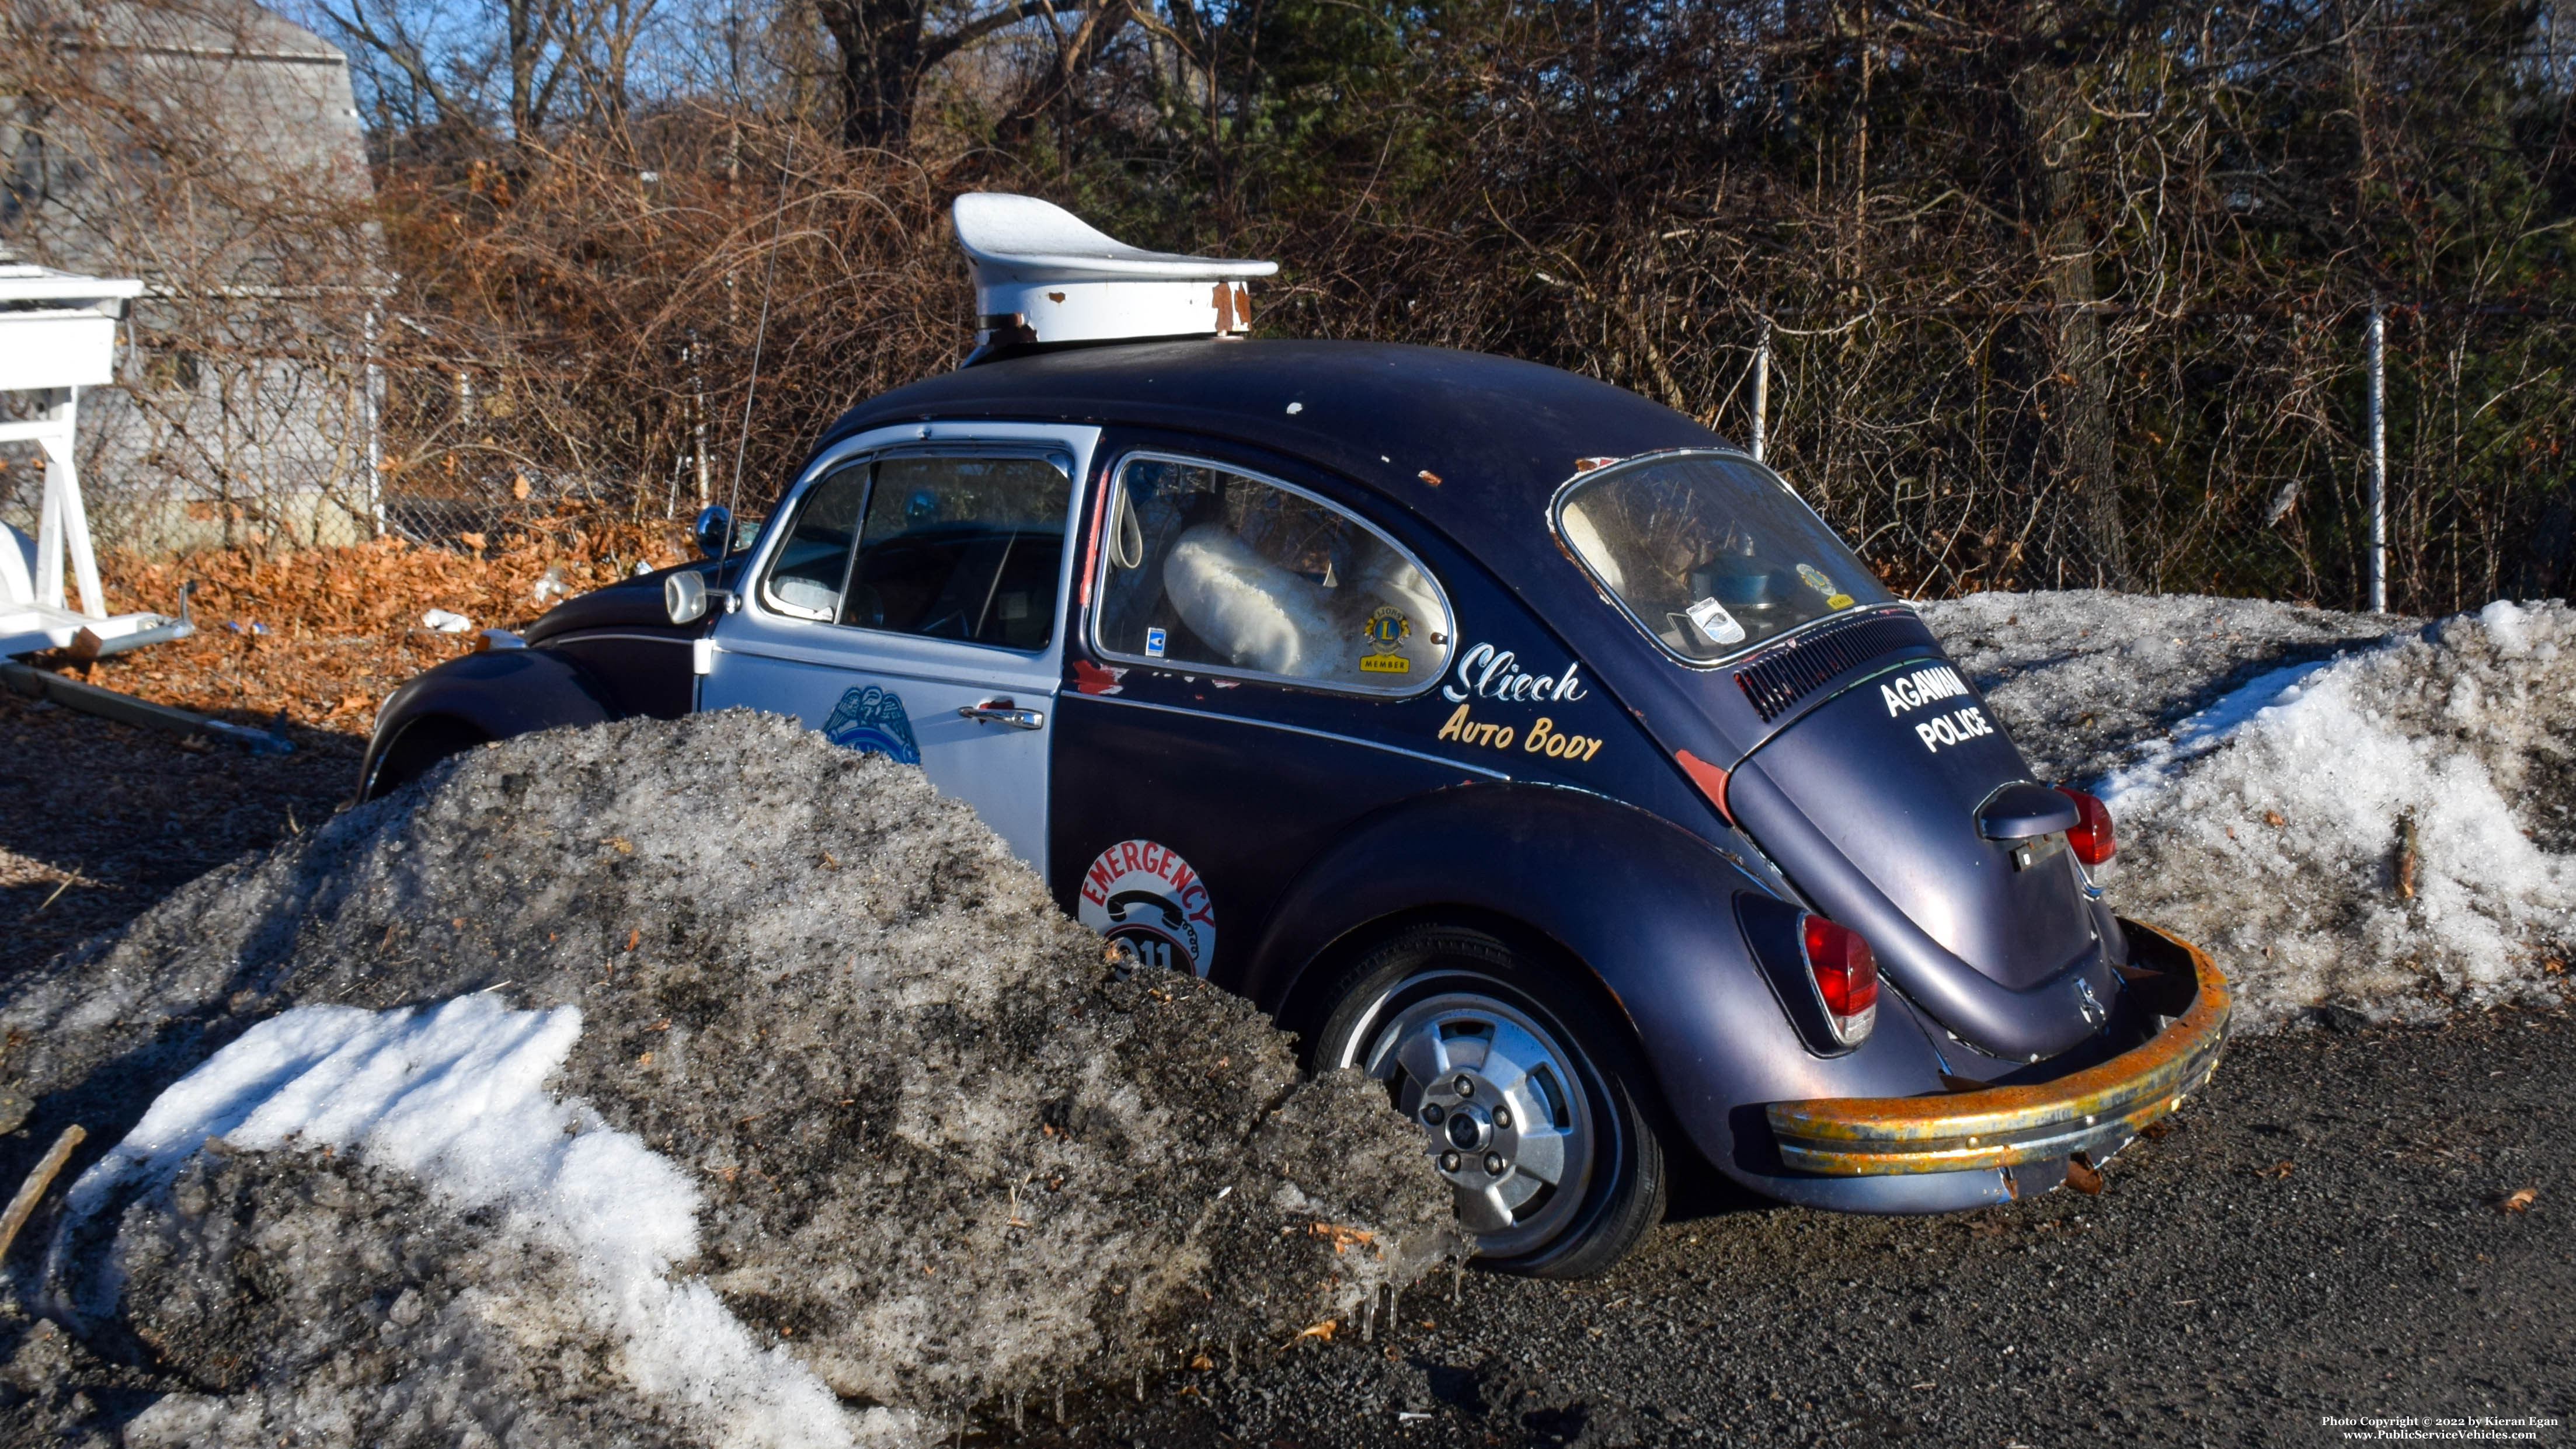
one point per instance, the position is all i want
(2091, 1111)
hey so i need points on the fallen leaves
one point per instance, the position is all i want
(319, 635)
(2518, 1201)
(1343, 1238)
(2277, 1170)
(1323, 1330)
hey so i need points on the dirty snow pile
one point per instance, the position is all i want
(694, 1083)
(2351, 814)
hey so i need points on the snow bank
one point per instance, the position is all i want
(453, 1097)
(932, 1150)
(2347, 817)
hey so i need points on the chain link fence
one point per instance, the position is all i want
(2239, 453)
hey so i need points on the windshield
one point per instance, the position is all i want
(1712, 553)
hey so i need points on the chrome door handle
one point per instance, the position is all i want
(1003, 712)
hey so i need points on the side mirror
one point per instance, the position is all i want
(714, 530)
(684, 594)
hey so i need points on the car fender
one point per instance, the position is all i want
(497, 693)
(1645, 906)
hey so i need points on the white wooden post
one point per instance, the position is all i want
(374, 383)
(64, 521)
(1762, 391)
(2378, 459)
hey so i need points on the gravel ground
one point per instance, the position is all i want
(98, 821)
(2321, 1235)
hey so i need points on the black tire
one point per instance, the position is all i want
(1427, 1011)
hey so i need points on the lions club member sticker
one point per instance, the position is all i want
(1146, 895)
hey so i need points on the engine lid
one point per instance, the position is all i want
(1902, 810)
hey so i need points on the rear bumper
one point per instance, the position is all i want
(2093, 1111)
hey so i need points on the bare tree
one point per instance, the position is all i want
(887, 48)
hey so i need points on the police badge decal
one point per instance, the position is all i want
(871, 717)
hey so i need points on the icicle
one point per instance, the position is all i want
(1018, 1397)
(1140, 1386)
(1457, 1270)
(1059, 1403)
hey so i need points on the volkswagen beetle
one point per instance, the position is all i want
(1508, 736)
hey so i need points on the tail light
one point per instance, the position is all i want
(2091, 839)
(1846, 975)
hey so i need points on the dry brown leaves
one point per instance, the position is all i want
(320, 636)
(1343, 1239)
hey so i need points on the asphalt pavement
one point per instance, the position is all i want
(2338, 1230)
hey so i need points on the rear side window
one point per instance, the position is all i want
(1710, 552)
(965, 548)
(1213, 568)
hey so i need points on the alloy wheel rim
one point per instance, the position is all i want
(1499, 1099)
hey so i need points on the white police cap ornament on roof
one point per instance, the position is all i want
(1044, 275)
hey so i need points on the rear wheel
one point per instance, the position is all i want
(1520, 1088)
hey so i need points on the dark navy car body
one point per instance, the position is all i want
(1509, 757)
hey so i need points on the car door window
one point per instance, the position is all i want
(1212, 567)
(961, 548)
(815, 558)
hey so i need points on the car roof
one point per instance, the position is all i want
(1499, 435)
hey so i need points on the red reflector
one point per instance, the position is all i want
(2092, 839)
(1846, 975)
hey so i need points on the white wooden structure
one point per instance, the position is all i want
(57, 336)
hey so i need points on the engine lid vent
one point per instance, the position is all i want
(1043, 274)
(1781, 678)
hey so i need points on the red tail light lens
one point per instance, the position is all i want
(1846, 975)
(2091, 839)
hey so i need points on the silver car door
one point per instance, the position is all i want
(913, 601)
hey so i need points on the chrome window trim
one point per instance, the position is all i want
(1115, 481)
(1556, 531)
(924, 443)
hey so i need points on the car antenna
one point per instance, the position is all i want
(759, 338)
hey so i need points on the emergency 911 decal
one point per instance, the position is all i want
(1930, 686)
(1144, 894)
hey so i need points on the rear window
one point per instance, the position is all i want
(1709, 552)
